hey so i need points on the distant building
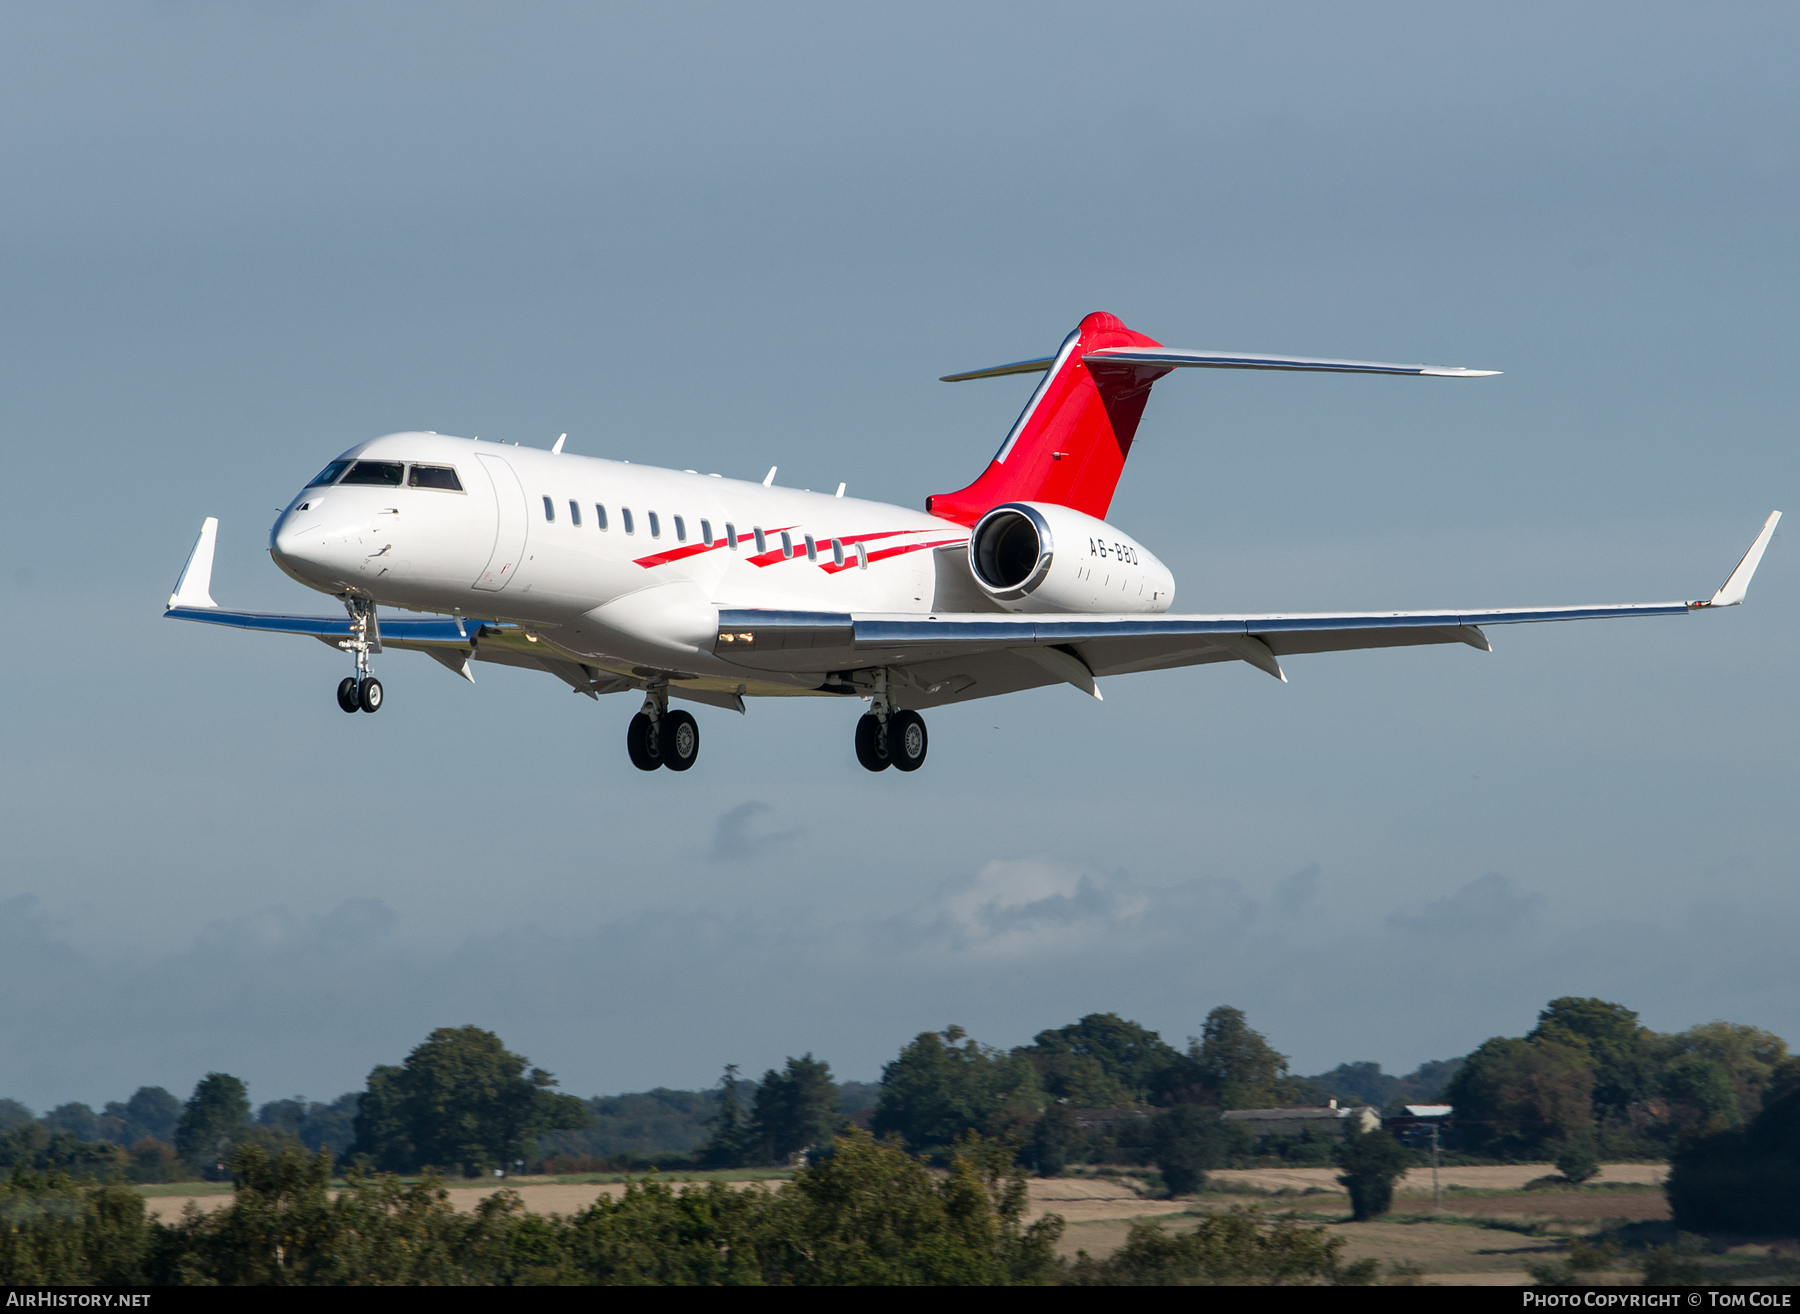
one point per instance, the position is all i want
(1106, 1119)
(1414, 1126)
(1304, 1117)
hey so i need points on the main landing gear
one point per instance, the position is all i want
(356, 695)
(888, 736)
(658, 737)
(361, 692)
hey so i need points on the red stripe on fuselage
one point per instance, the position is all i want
(832, 568)
(775, 556)
(678, 554)
(694, 549)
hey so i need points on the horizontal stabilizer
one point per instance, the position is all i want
(1174, 358)
(1017, 367)
(1239, 360)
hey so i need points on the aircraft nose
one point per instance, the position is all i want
(297, 543)
(286, 538)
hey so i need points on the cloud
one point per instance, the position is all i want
(352, 924)
(1038, 908)
(310, 1002)
(734, 841)
(1294, 893)
(1488, 905)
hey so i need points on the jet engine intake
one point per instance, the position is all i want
(1039, 557)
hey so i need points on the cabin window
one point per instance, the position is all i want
(837, 552)
(787, 544)
(575, 513)
(680, 530)
(655, 525)
(549, 509)
(706, 532)
(862, 557)
(812, 549)
(600, 515)
(383, 473)
(731, 536)
(762, 544)
(329, 475)
(625, 519)
(434, 476)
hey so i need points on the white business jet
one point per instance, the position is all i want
(617, 577)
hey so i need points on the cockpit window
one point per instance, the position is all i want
(435, 476)
(386, 473)
(329, 475)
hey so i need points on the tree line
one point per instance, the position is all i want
(461, 1102)
(1588, 1081)
(1589, 1075)
(864, 1214)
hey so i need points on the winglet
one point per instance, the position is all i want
(193, 589)
(1732, 591)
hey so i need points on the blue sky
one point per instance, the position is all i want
(237, 240)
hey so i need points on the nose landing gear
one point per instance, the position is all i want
(362, 691)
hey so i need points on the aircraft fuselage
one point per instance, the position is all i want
(622, 562)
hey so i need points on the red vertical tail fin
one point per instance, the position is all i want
(1069, 445)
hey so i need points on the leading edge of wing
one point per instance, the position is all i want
(393, 629)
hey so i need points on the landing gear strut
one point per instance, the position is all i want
(362, 691)
(889, 736)
(658, 737)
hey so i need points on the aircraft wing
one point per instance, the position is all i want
(953, 657)
(451, 642)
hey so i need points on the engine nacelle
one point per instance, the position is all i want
(1036, 557)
